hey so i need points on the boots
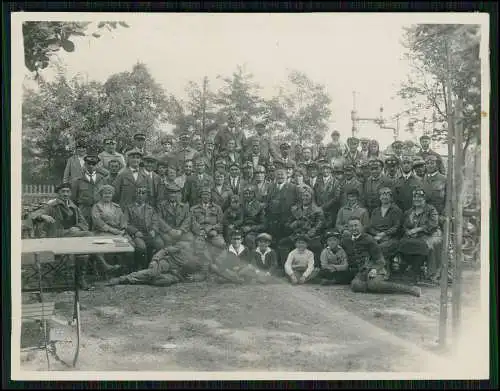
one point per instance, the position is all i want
(377, 286)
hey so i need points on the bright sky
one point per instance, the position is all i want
(360, 52)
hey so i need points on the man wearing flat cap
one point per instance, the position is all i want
(206, 219)
(129, 179)
(85, 189)
(406, 183)
(374, 183)
(138, 144)
(110, 153)
(419, 167)
(174, 216)
(425, 151)
(434, 184)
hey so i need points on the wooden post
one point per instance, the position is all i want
(457, 277)
(204, 108)
(443, 313)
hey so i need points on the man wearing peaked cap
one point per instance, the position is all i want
(129, 178)
(406, 183)
(85, 188)
(254, 216)
(397, 148)
(138, 143)
(284, 154)
(373, 184)
(185, 151)
(207, 219)
(425, 150)
(75, 166)
(434, 184)
(350, 181)
(197, 181)
(419, 167)
(352, 155)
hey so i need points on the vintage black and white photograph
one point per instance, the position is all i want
(238, 196)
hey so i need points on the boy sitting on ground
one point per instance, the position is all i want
(333, 258)
(264, 257)
(299, 265)
(237, 248)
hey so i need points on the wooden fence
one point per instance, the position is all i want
(37, 194)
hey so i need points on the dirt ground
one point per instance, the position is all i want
(276, 327)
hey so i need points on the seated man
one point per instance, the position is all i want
(185, 261)
(264, 257)
(333, 258)
(366, 271)
(237, 248)
(143, 228)
(62, 218)
(349, 210)
(233, 217)
(206, 217)
(174, 217)
(385, 225)
(299, 265)
(306, 219)
(254, 216)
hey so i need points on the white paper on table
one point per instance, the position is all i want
(103, 241)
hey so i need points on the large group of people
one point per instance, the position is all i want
(245, 209)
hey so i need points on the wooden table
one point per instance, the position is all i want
(69, 246)
(76, 245)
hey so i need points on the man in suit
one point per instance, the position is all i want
(129, 179)
(312, 175)
(230, 132)
(154, 180)
(230, 154)
(327, 194)
(306, 156)
(234, 179)
(261, 185)
(267, 148)
(373, 185)
(247, 173)
(254, 216)
(197, 181)
(406, 184)
(206, 219)
(174, 217)
(350, 182)
(138, 143)
(221, 192)
(281, 197)
(352, 155)
(84, 190)
(284, 156)
(256, 157)
(75, 166)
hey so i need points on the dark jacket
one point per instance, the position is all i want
(126, 186)
(141, 218)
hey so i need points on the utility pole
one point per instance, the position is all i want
(204, 107)
(457, 275)
(443, 313)
(354, 115)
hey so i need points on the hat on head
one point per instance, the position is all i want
(167, 138)
(364, 163)
(271, 167)
(352, 140)
(184, 135)
(352, 191)
(349, 167)
(134, 152)
(139, 136)
(407, 158)
(325, 164)
(64, 185)
(260, 125)
(424, 137)
(234, 164)
(289, 164)
(397, 143)
(338, 168)
(364, 140)
(391, 161)
(260, 169)
(431, 157)
(332, 233)
(172, 188)
(236, 234)
(205, 190)
(221, 162)
(418, 162)
(306, 147)
(312, 166)
(248, 187)
(91, 159)
(150, 158)
(264, 236)
(248, 164)
(109, 140)
(285, 145)
(255, 141)
(104, 188)
(196, 136)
